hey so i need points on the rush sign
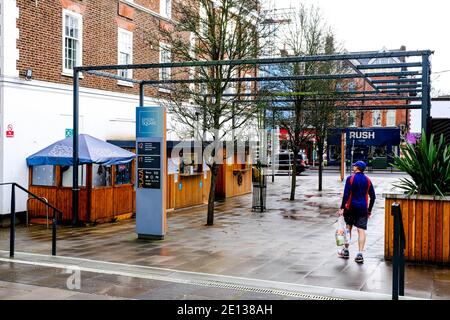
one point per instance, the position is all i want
(362, 135)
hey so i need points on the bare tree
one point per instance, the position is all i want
(324, 111)
(305, 35)
(208, 30)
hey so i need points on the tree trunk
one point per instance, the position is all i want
(320, 151)
(294, 179)
(212, 195)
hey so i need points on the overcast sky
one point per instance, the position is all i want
(373, 24)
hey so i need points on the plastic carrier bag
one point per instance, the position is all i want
(340, 235)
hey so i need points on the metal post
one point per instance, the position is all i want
(401, 272)
(12, 234)
(261, 193)
(395, 259)
(426, 102)
(75, 188)
(54, 222)
(141, 95)
(343, 151)
(273, 146)
(401, 261)
(352, 153)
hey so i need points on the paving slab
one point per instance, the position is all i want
(292, 242)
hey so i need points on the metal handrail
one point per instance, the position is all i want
(12, 235)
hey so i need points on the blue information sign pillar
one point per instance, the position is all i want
(151, 169)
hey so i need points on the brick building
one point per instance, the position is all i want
(40, 43)
(376, 118)
(388, 127)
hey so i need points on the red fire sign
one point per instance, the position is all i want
(10, 131)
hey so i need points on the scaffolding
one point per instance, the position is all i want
(276, 20)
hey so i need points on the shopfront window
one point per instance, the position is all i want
(67, 173)
(335, 153)
(378, 151)
(190, 164)
(123, 173)
(44, 175)
(101, 175)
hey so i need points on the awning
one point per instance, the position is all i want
(90, 150)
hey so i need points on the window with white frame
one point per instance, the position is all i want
(203, 17)
(390, 118)
(192, 45)
(72, 40)
(231, 86)
(231, 32)
(165, 8)
(338, 120)
(376, 118)
(164, 57)
(125, 51)
(352, 118)
(351, 86)
(248, 87)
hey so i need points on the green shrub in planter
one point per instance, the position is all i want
(428, 164)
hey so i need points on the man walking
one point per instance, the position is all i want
(356, 208)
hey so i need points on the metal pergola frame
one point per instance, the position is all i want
(409, 83)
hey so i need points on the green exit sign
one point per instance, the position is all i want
(69, 133)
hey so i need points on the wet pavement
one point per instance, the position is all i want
(31, 282)
(292, 242)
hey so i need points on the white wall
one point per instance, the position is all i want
(9, 55)
(40, 112)
(439, 109)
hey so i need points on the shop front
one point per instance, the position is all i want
(188, 179)
(375, 146)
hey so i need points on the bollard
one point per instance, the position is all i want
(261, 200)
(398, 259)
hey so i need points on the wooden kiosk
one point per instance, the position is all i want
(234, 179)
(187, 184)
(106, 183)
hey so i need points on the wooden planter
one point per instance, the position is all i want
(426, 220)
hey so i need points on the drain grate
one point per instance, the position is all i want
(205, 283)
(232, 286)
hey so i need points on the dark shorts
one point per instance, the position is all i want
(356, 218)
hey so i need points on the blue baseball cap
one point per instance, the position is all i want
(360, 164)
